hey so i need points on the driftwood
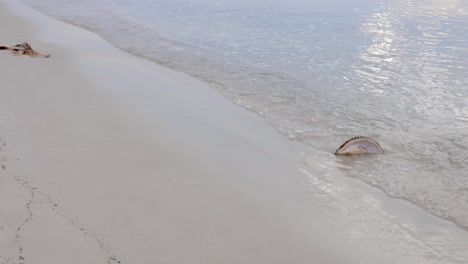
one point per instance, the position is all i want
(24, 49)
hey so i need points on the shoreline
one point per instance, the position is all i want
(115, 159)
(110, 157)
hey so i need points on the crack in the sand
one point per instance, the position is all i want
(28, 219)
(111, 256)
(28, 206)
(34, 192)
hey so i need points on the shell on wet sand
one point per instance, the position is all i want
(359, 145)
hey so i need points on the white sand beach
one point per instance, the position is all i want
(108, 158)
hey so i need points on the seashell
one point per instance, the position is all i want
(359, 145)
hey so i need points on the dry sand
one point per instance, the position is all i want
(108, 158)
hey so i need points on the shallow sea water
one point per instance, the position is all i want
(321, 73)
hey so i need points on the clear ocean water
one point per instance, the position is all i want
(321, 72)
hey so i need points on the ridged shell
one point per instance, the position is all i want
(359, 145)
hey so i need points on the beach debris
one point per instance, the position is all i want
(359, 145)
(24, 49)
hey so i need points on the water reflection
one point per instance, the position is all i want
(414, 67)
(416, 41)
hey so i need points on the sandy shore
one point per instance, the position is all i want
(108, 158)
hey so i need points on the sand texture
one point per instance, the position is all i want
(108, 158)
